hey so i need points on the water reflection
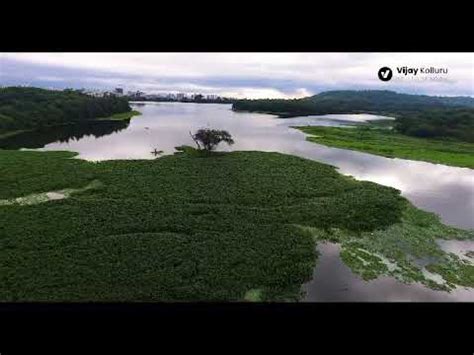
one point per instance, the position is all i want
(447, 191)
(464, 249)
(62, 134)
(343, 285)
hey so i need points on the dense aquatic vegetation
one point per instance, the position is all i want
(405, 250)
(26, 108)
(193, 226)
(388, 143)
(416, 115)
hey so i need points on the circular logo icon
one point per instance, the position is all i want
(385, 74)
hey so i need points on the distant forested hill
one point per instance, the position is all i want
(417, 115)
(29, 108)
(350, 101)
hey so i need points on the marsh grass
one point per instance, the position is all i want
(381, 141)
(120, 116)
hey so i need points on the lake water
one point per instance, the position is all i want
(333, 281)
(446, 191)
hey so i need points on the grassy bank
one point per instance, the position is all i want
(415, 115)
(387, 143)
(191, 227)
(121, 116)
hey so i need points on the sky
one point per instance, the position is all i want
(239, 75)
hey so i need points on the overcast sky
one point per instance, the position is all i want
(253, 75)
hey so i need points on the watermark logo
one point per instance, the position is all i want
(385, 73)
(414, 74)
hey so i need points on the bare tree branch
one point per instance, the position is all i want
(195, 141)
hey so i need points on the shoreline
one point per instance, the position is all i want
(123, 116)
(383, 142)
(370, 238)
(284, 115)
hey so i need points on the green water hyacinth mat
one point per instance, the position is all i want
(239, 226)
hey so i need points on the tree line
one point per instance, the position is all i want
(416, 115)
(455, 123)
(30, 108)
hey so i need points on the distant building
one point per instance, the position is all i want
(118, 92)
(180, 96)
(136, 95)
(95, 93)
(212, 97)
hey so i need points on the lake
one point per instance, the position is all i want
(444, 190)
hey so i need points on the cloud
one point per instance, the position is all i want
(236, 74)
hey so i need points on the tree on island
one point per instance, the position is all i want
(208, 139)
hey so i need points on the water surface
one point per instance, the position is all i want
(333, 281)
(447, 191)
